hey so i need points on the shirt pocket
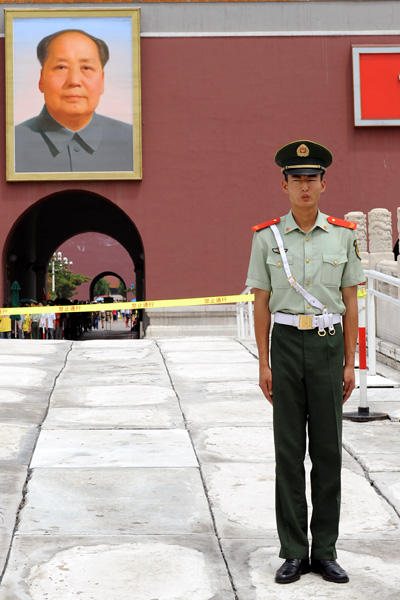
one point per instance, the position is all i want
(332, 269)
(277, 270)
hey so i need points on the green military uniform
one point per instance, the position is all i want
(307, 373)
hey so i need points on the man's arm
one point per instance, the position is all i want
(262, 324)
(350, 330)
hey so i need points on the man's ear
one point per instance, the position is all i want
(102, 75)
(40, 81)
(284, 185)
(323, 185)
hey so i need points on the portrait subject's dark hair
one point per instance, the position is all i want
(43, 46)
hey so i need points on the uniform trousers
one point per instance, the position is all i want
(307, 382)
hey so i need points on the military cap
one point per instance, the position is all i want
(303, 158)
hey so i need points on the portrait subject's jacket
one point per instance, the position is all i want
(42, 145)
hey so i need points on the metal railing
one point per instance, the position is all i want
(245, 317)
(372, 293)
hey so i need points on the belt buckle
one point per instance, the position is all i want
(305, 322)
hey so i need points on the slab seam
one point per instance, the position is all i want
(246, 348)
(367, 476)
(230, 576)
(29, 470)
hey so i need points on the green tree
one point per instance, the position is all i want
(102, 288)
(66, 283)
(121, 289)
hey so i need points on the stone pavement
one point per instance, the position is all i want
(144, 470)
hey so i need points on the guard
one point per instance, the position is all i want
(305, 268)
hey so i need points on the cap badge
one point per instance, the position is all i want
(302, 150)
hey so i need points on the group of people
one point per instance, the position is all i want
(56, 325)
(32, 325)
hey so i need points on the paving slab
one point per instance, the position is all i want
(33, 378)
(109, 374)
(106, 343)
(376, 395)
(241, 412)
(114, 448)
(377, 381)
(119, 350)
(209, 356)
(108, 568)
(27, 407)
(115, 501)
(388, 484)
(196, 344)
(140, 417)
(243, 499)
(214, 372)
(12, 483)
(242, 496)
(34, 347)
(375, 445)
(215, 391)
(253, 565)
(364, 513)
(237, 444)
(97, 396)
(27, 375)
(17, 443)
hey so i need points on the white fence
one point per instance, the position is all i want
(372, 278)
(245, 318)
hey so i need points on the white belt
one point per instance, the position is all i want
(305, 322)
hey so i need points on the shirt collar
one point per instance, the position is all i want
(59, 136)
(291, 225)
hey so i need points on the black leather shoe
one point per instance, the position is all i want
(330, 570)
(292, 569)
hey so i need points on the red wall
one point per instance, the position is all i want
(93, 254)
(214, 112)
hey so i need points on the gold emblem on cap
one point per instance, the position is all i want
(303, 150)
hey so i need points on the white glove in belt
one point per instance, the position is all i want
(326, 320)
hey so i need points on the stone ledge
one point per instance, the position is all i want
(388, 353)
(191, 321)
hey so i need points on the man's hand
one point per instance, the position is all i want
(262, 325)
(265, 383)
(349, 382)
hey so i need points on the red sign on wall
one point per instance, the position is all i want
(376, 79)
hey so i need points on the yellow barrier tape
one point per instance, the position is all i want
(362, 292)
(81, 308)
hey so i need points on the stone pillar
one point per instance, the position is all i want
(380, 236)
(361, 234)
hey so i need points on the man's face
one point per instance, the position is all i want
(72, 79)
(304, 191)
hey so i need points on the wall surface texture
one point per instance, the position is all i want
(224, 85)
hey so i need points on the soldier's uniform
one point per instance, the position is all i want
(306, 361)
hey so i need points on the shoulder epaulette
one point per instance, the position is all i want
(342, 223)
(266, 224)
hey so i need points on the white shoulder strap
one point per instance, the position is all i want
(291, 280)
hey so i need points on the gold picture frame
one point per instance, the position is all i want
(54, 134)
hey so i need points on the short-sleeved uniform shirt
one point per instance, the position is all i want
(323, 261)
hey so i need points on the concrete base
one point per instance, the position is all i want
(190, 321)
